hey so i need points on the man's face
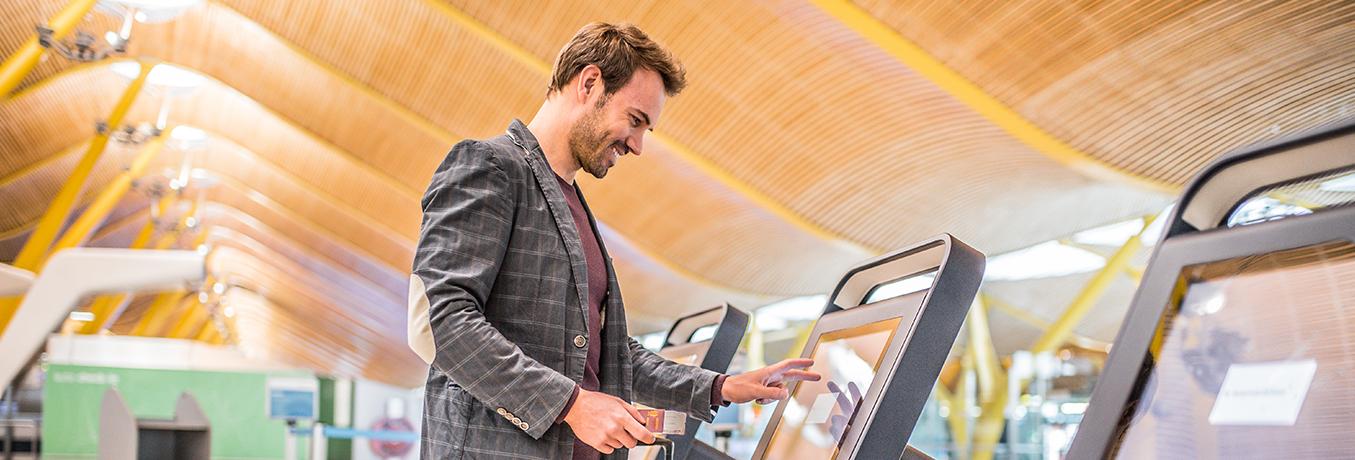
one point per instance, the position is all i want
(615, 125)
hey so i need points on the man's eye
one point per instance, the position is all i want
(634, 122)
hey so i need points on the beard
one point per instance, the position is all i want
(588, 143)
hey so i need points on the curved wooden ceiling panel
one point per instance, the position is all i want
(813, 124)
(1155, 88)
(27, 193)
(382, 355)
(227, 226)
(328, 117)
(477, 89)
(667, 234)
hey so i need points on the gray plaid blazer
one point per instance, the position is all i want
(503, 275)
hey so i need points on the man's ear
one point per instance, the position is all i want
(589, 83)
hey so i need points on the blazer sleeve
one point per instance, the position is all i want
(661, 383)
(467, 220)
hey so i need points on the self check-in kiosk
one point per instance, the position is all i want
(1240, 342)
(708, 339)
(879, 359)
(879, 356)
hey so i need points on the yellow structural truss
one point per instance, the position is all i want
(36, 249)
(988, 428)
(18, 65)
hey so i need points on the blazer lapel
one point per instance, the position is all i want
(559, 210)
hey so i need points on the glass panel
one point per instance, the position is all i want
(1255, 358)
(820, 413)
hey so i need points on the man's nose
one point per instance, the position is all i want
(635, 143)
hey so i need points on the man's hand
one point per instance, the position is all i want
(606, 423)
(769, 383)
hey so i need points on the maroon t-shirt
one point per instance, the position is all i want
(597, 291)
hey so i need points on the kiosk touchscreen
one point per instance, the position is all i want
(1240, 342)
(879, 359)
(708, 339)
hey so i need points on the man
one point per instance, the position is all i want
(529, 351)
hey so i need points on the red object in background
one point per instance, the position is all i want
(392, 449)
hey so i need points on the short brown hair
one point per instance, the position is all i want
(618, 50)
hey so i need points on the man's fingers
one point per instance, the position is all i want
(604, 449)
(795, 363)
(634, 413)
(797, 375)
(773, 393)
(640, 433)
(856, 391)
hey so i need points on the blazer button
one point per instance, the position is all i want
(580, 341)
(501, 411)
(517, 421)
(523, 426)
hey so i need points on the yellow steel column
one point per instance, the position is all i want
(986, 365)
(35, 249)
(991, 422)
(158, 314)
(189, 321)
(209, 334)
(155, 318)
(104, 306)
(1091, 293)
(956, 419)
(19, 64)
(111, 195)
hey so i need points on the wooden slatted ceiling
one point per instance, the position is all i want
(18, 24)
(676, 296)
(682, 193)
(884, 161)
(332, 108)
(681, 203)
(1155, 87)
(27, 195)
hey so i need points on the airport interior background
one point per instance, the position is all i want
(288, 142)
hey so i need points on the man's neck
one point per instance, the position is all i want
(553, 135)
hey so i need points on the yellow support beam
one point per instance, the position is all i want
(1058, 332)
(987, 368)
(1029, 318)
(19, 64)
(209, 334)
(978, 100)
(34, 251)
(111, 195)
(103, 307)
(157, 316)
(993, 418)
(1134, 272)
(956, 419)
(189, 320)
(988, 428)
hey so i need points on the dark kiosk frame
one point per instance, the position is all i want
(1197, 234)
(716, 353)
(889, 410)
